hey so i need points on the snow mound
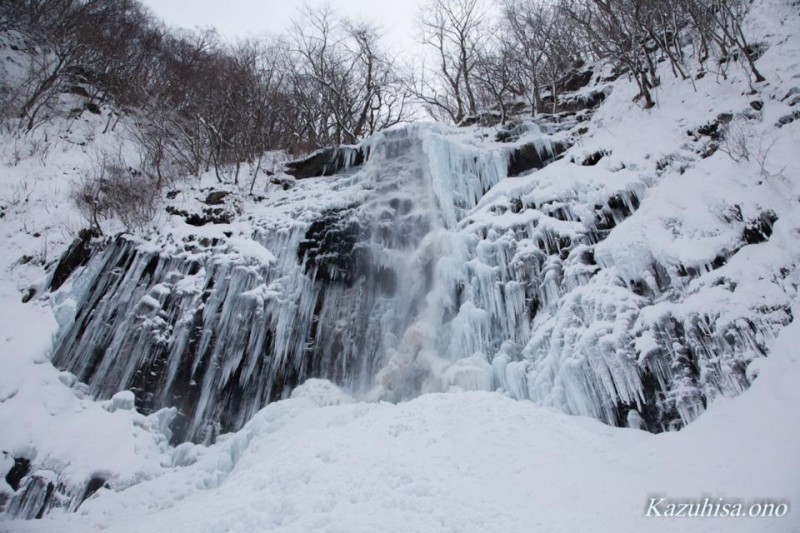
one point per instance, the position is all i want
(321, 393)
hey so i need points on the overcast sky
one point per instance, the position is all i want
(242, 18)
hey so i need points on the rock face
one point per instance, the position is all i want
(17, 472)
(327, 162)
(219, 335)
(35, 498)
(405, 276)
(532, 157)
(40, 492)
(76, 256)
(331, 249)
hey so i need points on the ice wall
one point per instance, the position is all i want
(219, 328)
(416, 272)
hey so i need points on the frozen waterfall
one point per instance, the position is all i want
(219, 333)
(403, 276)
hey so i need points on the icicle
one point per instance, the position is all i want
(390, 279)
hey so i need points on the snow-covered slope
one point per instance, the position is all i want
(468, 461)
(638, 280)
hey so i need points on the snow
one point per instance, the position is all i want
(48, 418)
(252, 249)
(655, 273)
(470, 461)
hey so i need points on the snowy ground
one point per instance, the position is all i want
(470, 461)
(467, 462)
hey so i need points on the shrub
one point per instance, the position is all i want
(112, 189)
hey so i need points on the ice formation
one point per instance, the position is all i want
(612, 283)
(219, 332)
(407, 277)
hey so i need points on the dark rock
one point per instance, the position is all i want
(788, 119)
(33, 499)
(511, 132)
(528, 156)
(216, 215)
(724, 118)
(561, 213)
(28, 295)
(533, 307)
(708, 150)
(639, 288)
(718, 262)
(209, 216)
(594, 158)
(327, 162)
(95, 484)
(77, 90)
(616, 209)
(487, 119)
(587, 257)
(758, 105)
(574, 103)
(714, 130)
(650, 408)
(20, 469)
(177, 212)
(87, 234)
(284, 182)
(615, 73)
(576, 80)
(171, 195)
(77, 255)
(733, 213)
(616, 202)
(330, 249)
(91, 107)
(709, 130)
(217, 197)
(760, 229)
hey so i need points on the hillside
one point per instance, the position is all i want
(537, 325)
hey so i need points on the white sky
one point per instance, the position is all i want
(241, 18)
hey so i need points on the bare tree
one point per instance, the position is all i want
(720, 22)
(111, 188)
(346, 87)
(379, 94)
(563, 53)
(261, 127)
(495, 72)
(611, 29)
(454, 30)
(528, 22)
